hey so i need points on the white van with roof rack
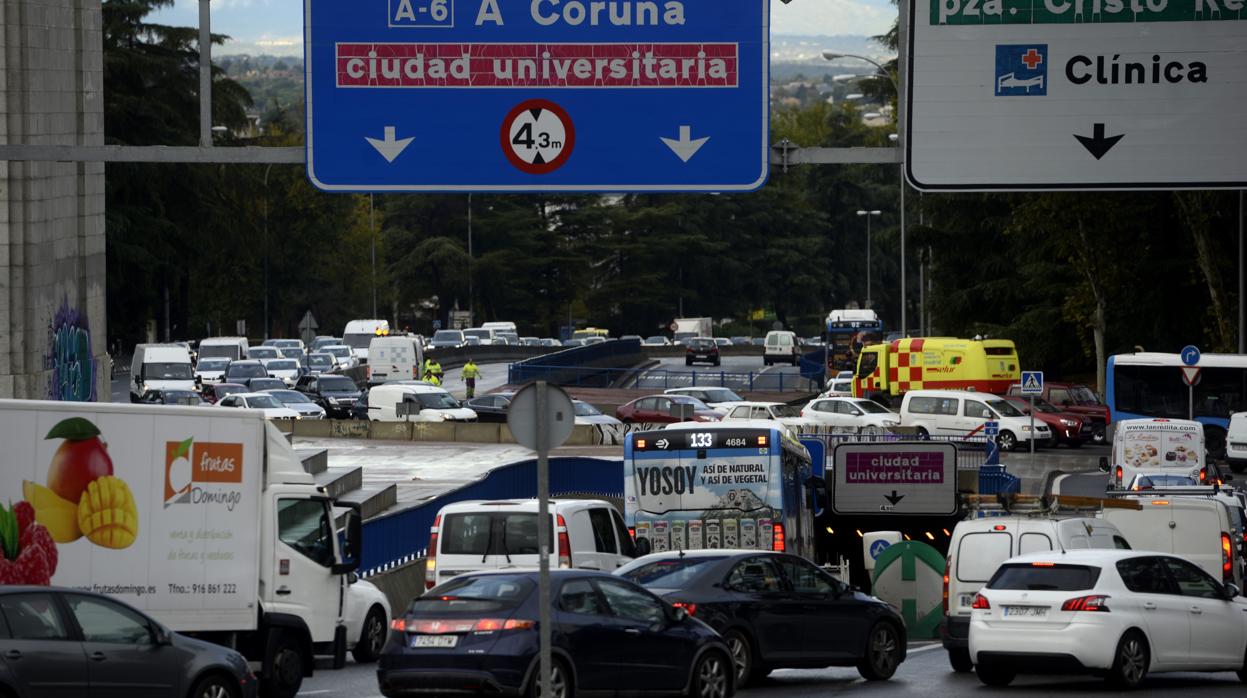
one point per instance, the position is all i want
(485, 535)
(979, 545)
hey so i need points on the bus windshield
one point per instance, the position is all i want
(1157, 390)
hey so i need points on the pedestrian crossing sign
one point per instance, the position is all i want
(1032, 382)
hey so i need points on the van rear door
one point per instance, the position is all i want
(479, 540)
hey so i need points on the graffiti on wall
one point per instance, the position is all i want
(69, 356)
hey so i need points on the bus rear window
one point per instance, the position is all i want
(1044, 577)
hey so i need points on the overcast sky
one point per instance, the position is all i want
(276, 26)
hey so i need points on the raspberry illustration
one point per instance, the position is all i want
(9, 573)
(32, 565)
(25, 514)
(37, 536)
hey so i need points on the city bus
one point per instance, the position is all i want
(848, 330)
(1150, 385)
(695, 486)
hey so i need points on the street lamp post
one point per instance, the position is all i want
(265, 242)
(869, 215)
(832, 56)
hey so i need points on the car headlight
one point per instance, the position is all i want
(1026, 428)
(332, 400)
(1068, 422)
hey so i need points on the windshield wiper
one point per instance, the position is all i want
(504, 542)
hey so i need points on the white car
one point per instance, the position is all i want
(719, 399)
(211, 370)
(298, 402)
(421, 403)
(775, 411)
(271, 406)
(285, 369)
(839, 387)
(263, 353)
(342, 354)
(367, 620)
(850, 414)
(588, 414)
(1118, 613)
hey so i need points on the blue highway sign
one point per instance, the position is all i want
(537, 95)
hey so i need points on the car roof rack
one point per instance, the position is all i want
(1040, 505)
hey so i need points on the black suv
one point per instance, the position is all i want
(336, 394)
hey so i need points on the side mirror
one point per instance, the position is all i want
(161, 636)
(1104, 464)
(1231, 591)
(680, 615)
(352, 543)
(643, 547)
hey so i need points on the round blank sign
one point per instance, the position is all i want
(560, 416)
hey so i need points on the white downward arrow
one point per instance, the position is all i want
(389, 147)
(686, 147)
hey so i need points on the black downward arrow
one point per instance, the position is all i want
(1097, 144)
(894, 497)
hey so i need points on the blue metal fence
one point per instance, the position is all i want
(587, 365)
(404, 535)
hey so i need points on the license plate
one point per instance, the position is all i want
(1026, 611)
(967, 599)
(434, 641)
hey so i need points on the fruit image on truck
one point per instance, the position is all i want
(203, 518)
(887, 371)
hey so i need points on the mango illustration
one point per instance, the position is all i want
(57, 514)
(107, 515)
(81, 458)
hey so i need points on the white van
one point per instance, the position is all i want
(482, 535)
(422, 403)
(979, 546)
(960, 412)
(505, 327)
(1200, 528)
(394, 358)
(159, 367)
(359, 334)
(232, 348)
(485, 335)
(1154, 445)
(781, 346)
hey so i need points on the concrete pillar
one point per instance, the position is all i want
(53, 329)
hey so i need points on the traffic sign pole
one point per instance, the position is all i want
(543, 534)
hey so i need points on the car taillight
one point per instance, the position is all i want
(632, 534)
(399, 625)
(778, 544)
(1203, 475)
(461, 625)
(980, 602)
(368, 371)
(1087, 604)
(1227, 559)
(430, 564)
(565, 544)
(690, 608)
(948, 565)
(1119, 474)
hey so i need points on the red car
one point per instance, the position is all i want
(1067, 427)
(661, 409)
(1079, 399)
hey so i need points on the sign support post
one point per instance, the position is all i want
(543, 534)
(1190, 356)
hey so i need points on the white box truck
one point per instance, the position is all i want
(204, 518)
(689, 327)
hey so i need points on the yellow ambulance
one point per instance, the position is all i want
(885, 371)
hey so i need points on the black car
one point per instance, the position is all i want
(189, 398)
(259, 385)
(336, 394)
(76, 643)
(242, 372)
(701, 349)
(777, 611)
(478, 633)
(491, 408)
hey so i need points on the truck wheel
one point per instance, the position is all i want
(371, 637)
(285, 673)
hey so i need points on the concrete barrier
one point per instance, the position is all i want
(348, 429)
(401, 584)
(312, 428)
(389, 431)
(433, 431)
(476, 433)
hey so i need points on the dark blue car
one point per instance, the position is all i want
(477, 633)
(777, 611)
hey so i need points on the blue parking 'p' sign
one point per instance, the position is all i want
(1021, 70)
